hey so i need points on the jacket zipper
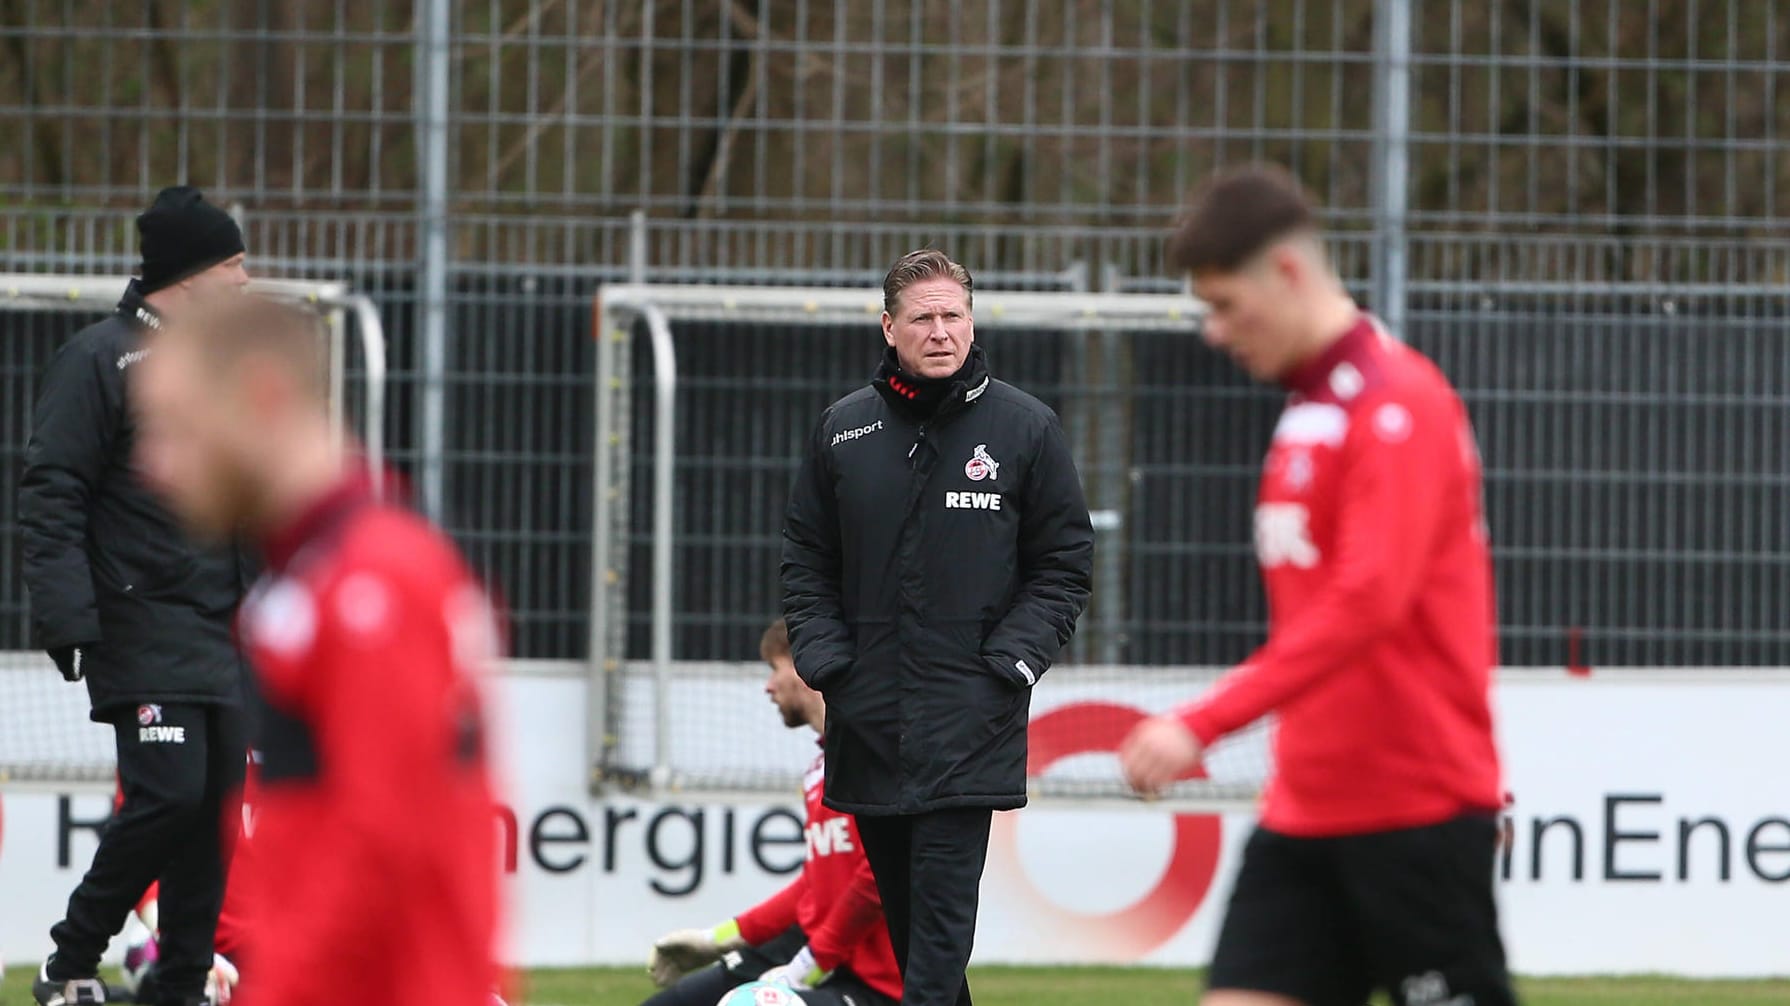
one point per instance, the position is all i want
(919, 438)
(945, 409)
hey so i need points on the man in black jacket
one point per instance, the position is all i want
(936, 556)
(121, 599)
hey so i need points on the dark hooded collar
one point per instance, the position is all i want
(924, 397)
(137, 311)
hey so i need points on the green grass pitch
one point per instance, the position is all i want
(1052, 986)
(1004, 986)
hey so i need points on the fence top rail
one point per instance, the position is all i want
(30, 291)
(993, 308)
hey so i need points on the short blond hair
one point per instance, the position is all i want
(775, 641)
(922, 264)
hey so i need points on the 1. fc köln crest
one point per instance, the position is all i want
(981, 466)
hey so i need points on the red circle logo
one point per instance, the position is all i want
(146, 715)
(1133, 931)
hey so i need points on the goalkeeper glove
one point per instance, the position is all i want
(678, 953)
(220, 984)
(800, 974)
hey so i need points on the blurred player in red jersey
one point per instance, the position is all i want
(1372, 864)
(824, 935)
(374, 843)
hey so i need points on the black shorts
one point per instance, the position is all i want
(1328, 920)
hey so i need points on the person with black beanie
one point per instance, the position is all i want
(937, 553)
(122, 600)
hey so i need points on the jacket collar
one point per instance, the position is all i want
(137, 311)
(353, 491)
(924, 399)
(1309, 377)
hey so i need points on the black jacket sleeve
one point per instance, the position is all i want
(819, 639)
(79, 410)
(1056, 560)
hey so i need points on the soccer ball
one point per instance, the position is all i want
(761, 994)
(140, 953)
(142, 950)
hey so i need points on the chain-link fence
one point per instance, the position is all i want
(1574, 206)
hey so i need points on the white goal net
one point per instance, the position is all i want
(45, 733)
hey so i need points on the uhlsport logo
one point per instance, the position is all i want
(981, 466)
(852, 434)
(1138, 929)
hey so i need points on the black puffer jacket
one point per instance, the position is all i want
(106, 566)
(932, 570)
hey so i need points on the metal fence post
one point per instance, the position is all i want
(1111, 466)
(637, 247)
(604, 664)
(1392, 133)
(433, 119)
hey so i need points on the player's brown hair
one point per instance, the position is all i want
(775, 641)
(227, 327)
(1235, 215)
(920, 264)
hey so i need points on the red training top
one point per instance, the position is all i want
(1373, 548)
(374, 840)
(834, 898)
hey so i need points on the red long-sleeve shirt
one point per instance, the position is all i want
(1373, 548)
(834, 898)
(374, 845)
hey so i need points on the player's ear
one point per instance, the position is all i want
(1286, 264)
(888, 328)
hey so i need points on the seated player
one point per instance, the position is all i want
(824, 935)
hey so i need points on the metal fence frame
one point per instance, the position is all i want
(437, 214)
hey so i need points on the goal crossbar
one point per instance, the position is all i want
(60, 292)
(832, 306)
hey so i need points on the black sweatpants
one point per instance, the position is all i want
(929, 872)
(179, 766)
(707, 986)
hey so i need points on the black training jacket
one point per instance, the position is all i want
(932, 570)
(106, 565)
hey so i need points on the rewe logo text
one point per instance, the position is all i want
(972, 501)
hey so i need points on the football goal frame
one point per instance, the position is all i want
(623, 316)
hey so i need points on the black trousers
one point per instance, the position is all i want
(929, 872)
(707, 986)
(180, 766)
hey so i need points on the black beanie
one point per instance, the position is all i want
(184, 235)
